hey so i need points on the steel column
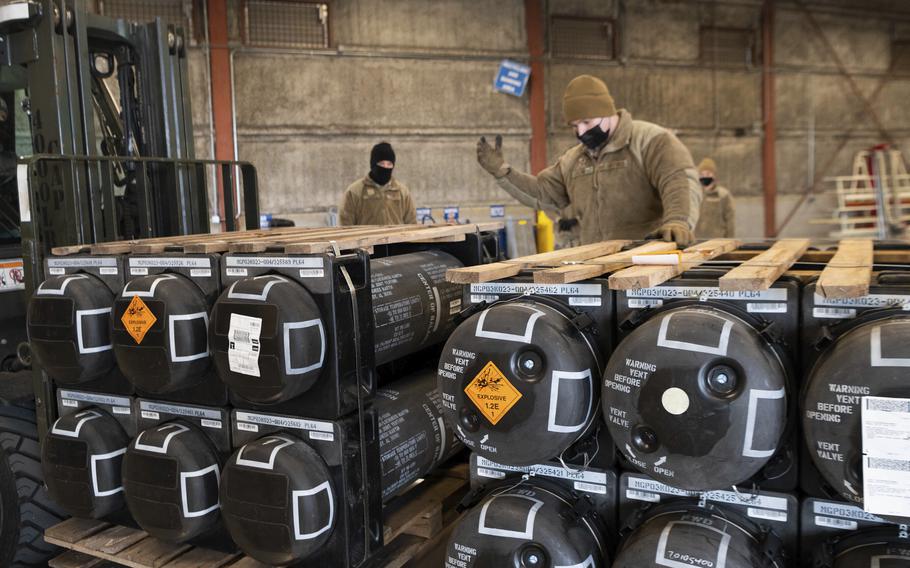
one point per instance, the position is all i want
(220, 73)
(536, 96)
(769, 163)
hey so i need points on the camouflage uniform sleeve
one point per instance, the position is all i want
(409, 216)
(347, 213)
(546, 190)
(729, 214)
(669, 167)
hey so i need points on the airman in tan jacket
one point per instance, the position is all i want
(627, 179)
(718, 215)
(378, 198)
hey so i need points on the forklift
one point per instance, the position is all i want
(96, 145)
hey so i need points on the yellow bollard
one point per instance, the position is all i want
(544, 235)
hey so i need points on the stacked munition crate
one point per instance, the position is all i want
(630, 405)
(625, 404)
(263, 393)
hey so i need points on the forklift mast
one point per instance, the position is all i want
(109, 109)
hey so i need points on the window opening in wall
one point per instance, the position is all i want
(286, 23)
(176, 12)
(732, 46)
(900, 55)
(585, 38)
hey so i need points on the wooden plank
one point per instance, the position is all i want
(402, 236)
(121, 247)
(598, 266)
(219, 242)
(427, 502)
(73, 559)
(848, 273)
(74, 529)
(880, 256)
(247, 562)
(263, 243)
(201, 557)
(330, 233)
(647, 276)
(70, 249)
(112, 541)
(450, 239)
(505, 269)
(118, 247)
(762, 270)
(152, 553)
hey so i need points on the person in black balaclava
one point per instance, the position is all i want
(378, 198)
(718, 214)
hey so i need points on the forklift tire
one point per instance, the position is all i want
(25, 507)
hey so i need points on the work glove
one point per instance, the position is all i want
(490, 158)
(567, 224)
(674, 231)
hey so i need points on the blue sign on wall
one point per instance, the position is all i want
(512, 78)
(450, 213)
(497, 211)
(424, 215)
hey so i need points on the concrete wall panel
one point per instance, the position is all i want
(660, 30)
(471, 25)
(351, 94)
(301, 173)
(859, 44)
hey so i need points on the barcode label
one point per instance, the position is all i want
(888, 463)
(247, 427)
(108, 271)
(121, 410)
(834, 523)
(584, 301)
(243, 344)
(590, 488)
(833, 313)
(236, 271)
(638, 303)
(478, 298)
(886, 444)
(636, 495)
(325, 436)
(216, 424)
(311, 273)
(200, 272)
(139, 271)
(887, 404)
(767, 514)
(70, 403)
(766, 307)
(56, 271)
(150, 415)
(490, 473)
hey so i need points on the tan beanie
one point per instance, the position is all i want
(708, 165)
(587, 97)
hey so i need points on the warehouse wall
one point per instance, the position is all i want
(716, 109)
(420, 75)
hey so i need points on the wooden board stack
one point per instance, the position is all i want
(845, 272)
(288, 240)
(417, 527)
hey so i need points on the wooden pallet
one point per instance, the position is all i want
(844, 271)
(289, 240)
(417, 525)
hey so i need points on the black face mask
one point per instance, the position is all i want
(380, 174)
(594, 137)
(706, 181)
